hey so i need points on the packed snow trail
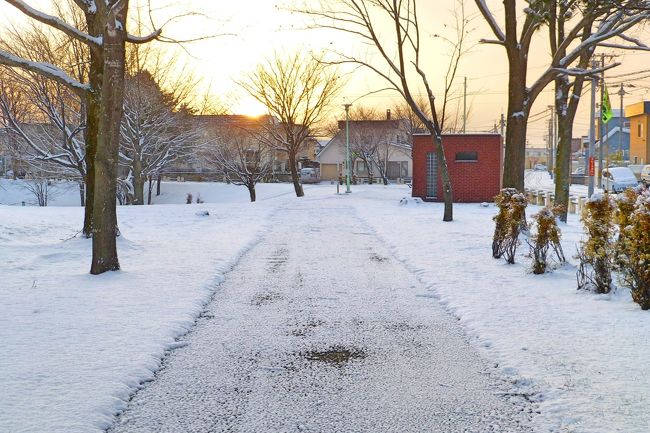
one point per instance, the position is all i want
(319, 329)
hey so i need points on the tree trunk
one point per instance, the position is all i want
(114, 13)
(517, 122)
(563, 165)
(251, 192)
(138, 182)
(92, 130)
(82, 193)
(447, 192)
(566, 106)
(158, 182)
(150, 190)
(295, 177)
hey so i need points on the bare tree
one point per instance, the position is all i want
(611, 19)
(55, 132)
(399, 46)
(154, 135)
(104, 33)
(244, 157)
(297, 90)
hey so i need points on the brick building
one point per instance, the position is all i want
(474, 162)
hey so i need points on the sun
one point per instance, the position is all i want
(250, 107)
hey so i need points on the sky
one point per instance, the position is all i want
(249, 31)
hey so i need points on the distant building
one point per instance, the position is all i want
(615, 135)
(474, 162)
(639, 115)
(215, 126)
(388, 141)
(536, 155)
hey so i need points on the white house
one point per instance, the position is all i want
(378, 148)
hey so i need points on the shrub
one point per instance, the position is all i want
(547, 237)
(516, 224)
(597, 252)
(635, 248)
(625, 204)
(501, 220)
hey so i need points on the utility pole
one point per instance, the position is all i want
(592, 135)
(348, 168)
(621, 121)
(551, 142)
(502, 124)
(465, 107)
(601, 136)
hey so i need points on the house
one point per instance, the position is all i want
(474, 162)
(378, 149)
(615, 135)
(255, 129)
(536, 155)
(639, 115)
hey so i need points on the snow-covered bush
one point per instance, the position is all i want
(516, 224)
(501, 220)
(625, 204)
(547, 236)
(597, 252)
(635, 270)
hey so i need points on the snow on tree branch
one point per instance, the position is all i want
(55, 22)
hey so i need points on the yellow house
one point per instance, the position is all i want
(639, 115)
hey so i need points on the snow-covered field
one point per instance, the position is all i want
(75, 346)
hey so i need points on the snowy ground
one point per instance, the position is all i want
(267, 355)
(541, 180)
(75, 347)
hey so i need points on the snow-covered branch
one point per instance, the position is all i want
(55, 22)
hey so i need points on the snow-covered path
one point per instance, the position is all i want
(319, 329)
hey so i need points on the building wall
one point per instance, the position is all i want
(332, 161)
(639, 141)
(638, 115)
(472, 182)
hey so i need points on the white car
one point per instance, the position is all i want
(540, 167)
(618, 179)
(645, 175)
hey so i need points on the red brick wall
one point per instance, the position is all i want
(472, 182)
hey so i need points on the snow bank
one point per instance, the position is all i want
(584, 357)
(76, 346)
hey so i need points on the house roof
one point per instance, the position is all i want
(637, 109)
(480, 134)
(231, 121)
(379, 125)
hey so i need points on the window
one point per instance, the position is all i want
(466, 156)
(361, 167)
(432, 175)
(636, 159)
(639, 130)
(397, 169)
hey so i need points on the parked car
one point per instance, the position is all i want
(618, 179)
(310, 175)
(645, 175)
(579, 170)
(540, 167)
(636, 169)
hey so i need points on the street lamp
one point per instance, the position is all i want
(348, 167)
(621, 92)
